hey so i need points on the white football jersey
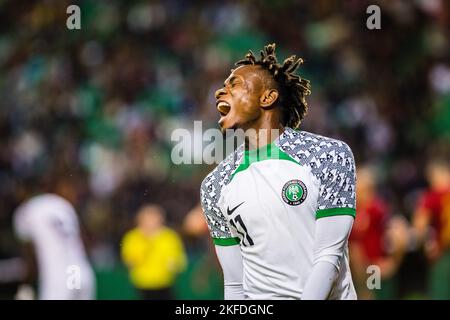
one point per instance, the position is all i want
(51, 224)
(268, 201)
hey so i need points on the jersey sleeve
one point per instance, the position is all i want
(22, 224)
(429, 203)
(217, 223)
(337, 179)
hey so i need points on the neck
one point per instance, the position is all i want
(264, 131)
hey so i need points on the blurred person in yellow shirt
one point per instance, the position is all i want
(154, 254)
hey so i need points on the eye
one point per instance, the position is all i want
(233, 84)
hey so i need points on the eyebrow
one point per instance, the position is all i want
(231, 80)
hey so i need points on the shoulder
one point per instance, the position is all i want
(315, 150)
(429, 199)
(330, 151)
(219, 176)
(33, 205)
(50, 200)
(311, 143)
(131, 235)
(170, 233)
(316, 139)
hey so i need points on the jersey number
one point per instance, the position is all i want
(246, 239)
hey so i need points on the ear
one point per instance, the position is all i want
(268, 98)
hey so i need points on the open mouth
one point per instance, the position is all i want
(223, 107)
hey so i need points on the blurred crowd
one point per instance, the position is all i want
(94, 108)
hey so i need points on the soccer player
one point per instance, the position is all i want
(433, 214)
(280, 208)
(49, 222)
(378, 238)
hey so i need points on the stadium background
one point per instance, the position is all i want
(96, 107)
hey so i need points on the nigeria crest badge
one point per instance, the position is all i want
(294, 192)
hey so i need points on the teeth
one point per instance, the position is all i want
(222, 104)
(223, 108)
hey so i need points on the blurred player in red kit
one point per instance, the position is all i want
(377, 238)
(431, 224)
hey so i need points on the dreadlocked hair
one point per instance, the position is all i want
(293, 89)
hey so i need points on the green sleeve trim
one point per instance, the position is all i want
(226, 241)
(335, 212)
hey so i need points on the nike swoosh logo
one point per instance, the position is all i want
(230, 212)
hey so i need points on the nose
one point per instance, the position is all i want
(220, 93)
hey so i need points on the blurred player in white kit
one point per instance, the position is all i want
(49, 222)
